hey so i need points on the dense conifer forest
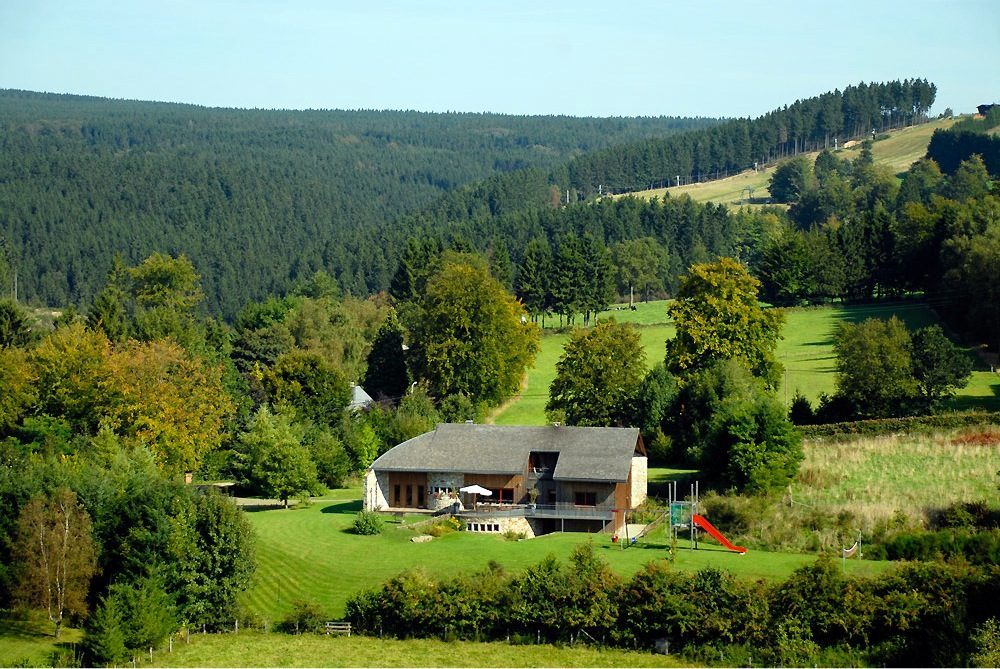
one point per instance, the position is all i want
(258, 199)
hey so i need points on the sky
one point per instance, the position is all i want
(579, 57)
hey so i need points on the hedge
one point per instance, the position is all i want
(910, 424)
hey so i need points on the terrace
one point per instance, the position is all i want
(561, 510)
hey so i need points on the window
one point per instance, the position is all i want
(483, 527)
(585, 499)
(409, 495)
(506, 496)
(395, 498)
(420, 495)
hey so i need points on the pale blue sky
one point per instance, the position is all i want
(576, 57)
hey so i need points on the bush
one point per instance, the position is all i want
(305, 617)
(974, 547)
(727, 514)
(446, 526)
(368, 523)
(912, 424)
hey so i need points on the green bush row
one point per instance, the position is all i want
(910, 424)
(919, 614)
(982, 548)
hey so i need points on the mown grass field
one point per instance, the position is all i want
(898, 151)
(806, 351)
(253, 648)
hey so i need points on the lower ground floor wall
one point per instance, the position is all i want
(536, 527)
(502, 526)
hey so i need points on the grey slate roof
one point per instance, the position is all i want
(585, 453)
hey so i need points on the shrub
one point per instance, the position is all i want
(368, 523)
(975, 547)
(304, 617)
(986, 641)
(727, 514)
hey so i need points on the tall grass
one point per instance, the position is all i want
(870, 486)
(251, 648)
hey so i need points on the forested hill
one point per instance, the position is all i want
(510, 206)
(256, 198)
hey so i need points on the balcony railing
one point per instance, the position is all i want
(562, 510)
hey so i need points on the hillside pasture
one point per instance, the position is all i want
(871, 486)
(899, 150)
(874, 479)
(806, 351)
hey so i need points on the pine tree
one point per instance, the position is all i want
(386, 375)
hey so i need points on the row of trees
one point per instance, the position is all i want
(806, 125)
(855, 234)
(106, 533)
(927, 614)
(884, 371)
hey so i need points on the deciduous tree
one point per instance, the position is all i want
(56, 552)
(718, 317)
(729, 424)
(598, 375)
(471, 336)
(874, 367)
(277, 461)
(939, 367)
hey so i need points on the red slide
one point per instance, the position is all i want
(701, 522)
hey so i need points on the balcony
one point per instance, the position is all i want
(562, 510)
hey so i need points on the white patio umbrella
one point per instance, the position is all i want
(476, 490)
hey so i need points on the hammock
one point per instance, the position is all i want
(850, 552)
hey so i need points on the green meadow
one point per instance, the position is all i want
(254, 648)
(311, 553)
(806, 351)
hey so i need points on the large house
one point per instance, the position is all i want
(540, 479)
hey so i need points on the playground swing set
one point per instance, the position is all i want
(683, 516)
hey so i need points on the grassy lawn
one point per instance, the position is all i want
(310, 553)
(309, 650)
(29, 642)
(806, 352)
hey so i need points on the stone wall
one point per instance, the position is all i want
(451, 481)
(502, 525)
(639, 477)
(376, 489)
